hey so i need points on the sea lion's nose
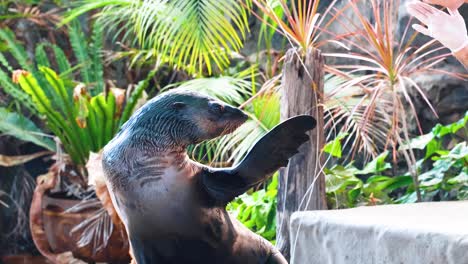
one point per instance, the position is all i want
(235, 113)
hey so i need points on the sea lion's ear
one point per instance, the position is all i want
(178, 105)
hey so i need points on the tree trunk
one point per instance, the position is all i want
(302, 183)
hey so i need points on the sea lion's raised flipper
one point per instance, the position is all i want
(269, 154)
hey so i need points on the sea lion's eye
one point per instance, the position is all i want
(216, 108)
(178, 105)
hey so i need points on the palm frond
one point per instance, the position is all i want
(263, 116)
(230, 89)
(85, 6)
(194, 35)
(262, 108)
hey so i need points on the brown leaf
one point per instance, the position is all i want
(80, 91)
(45, 182)
(17, 74)
(96, 178)
(81, 122)
(10, 161)
(120, 99)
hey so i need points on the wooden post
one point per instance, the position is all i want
(301, 93)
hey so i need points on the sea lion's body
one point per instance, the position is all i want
(174, 208)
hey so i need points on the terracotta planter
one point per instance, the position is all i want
(59, 224)
(24, 259)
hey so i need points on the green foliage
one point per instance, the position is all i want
(89, 66)
(444, 169)
(83, 116)
(19, 54)
(345, 187)
(257, 210)
(19, 126)
(194, 35)
(334, 147)
(444, 173)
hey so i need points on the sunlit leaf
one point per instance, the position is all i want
(334, 147)
(21, 127)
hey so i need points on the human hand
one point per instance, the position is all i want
(449, 29)
(451, 4)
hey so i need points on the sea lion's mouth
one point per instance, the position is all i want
(233, 118)
(233, 124)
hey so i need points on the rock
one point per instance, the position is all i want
(411, 234)
(448, 96)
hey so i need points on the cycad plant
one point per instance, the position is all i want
(193, 35)
(84, 115)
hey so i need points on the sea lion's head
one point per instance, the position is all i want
(186, 117)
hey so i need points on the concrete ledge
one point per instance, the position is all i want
(424, 233)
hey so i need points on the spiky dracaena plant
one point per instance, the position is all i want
(381, 68)
(299, 20)
(193, 35)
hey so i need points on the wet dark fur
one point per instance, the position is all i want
(174, 208)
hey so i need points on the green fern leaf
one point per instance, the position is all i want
(96, 46)
(79, 46)
(14, 90)
(41, 55)
(62, 60)
(18, 52)
(5, 62)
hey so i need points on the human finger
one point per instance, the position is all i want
(421, 29)
(434, 2)
(453, 12)
(430, 9)
(450, 4)
(419, 14)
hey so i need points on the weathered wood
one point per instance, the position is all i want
(302, 184)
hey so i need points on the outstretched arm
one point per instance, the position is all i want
(462, 56)
(269, 154)
(448, 28)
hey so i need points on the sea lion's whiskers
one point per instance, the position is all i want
(144, 180)
(142, 173)
(225, 129)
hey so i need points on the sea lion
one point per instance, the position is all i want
(174, 208)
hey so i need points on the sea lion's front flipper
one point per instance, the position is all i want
(269, 154)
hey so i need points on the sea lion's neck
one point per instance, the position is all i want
(176, 159)
(164, 133)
